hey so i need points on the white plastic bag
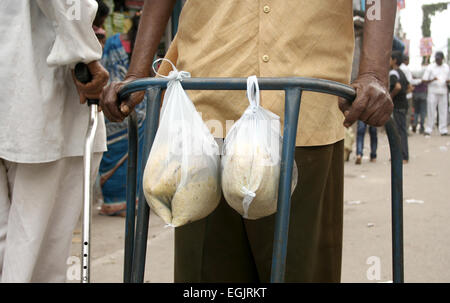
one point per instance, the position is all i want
(181, 177)
(252, 158)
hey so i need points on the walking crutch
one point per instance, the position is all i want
(293, 87)
(83, 75)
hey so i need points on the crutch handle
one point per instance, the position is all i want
(83, 75)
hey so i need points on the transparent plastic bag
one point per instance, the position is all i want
(182, 178)
(252, 158)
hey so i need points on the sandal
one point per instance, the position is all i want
(119, 210)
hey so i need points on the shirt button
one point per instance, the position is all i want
(265, 58)
(266, 9)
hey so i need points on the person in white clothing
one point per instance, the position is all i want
(42, 130)
(412, 83)
(437, 76)
(405, 69)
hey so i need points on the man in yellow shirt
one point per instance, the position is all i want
(271, 39)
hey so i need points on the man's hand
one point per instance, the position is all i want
(114, 109)
(93, 89)
(429, 81)
(155, 15)
(373, 104)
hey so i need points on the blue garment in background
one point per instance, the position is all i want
(116, 61)
(361, 132)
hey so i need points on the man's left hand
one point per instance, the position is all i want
(93, 89)
(373, 104)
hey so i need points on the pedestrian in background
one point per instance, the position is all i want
(99, 21)
(409, 96)
(437, 76)
(101, 15)
(360, 133)
(420, 107)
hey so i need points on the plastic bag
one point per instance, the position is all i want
(181, 178)
(252, 158)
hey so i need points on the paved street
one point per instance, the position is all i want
(367, 233)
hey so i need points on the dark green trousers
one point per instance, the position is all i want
(224, 247)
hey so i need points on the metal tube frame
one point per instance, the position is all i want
(293, 87)
(87, 193)
(133, 139)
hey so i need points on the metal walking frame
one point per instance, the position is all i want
(136, 230)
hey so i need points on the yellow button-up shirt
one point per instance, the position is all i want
(270, 38)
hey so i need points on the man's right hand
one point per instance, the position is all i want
(117, 110)
(93, 89)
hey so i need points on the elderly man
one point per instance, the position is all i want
(42, 130)
(272, 39)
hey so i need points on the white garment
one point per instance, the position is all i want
(442, 73)
(439, 101)
(41, 117)
(405, 69)
(37, 218)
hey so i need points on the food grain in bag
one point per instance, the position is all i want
(181, 178)
(252, 158)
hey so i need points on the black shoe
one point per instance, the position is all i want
(426, 134)
(444, 134)
(414, 129)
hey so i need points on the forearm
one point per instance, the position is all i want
(378, 36)
(395, 91)
(154, 18)
(416, 82)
